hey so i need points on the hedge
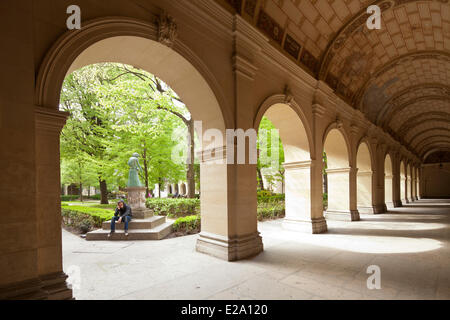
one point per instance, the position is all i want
(70, 198)
(85, 218)
(270, 211)
(174, 208)
(189, 224)
(271, 198)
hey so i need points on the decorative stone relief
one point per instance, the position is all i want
(167, 30)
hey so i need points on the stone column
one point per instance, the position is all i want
(342, 194)
(408, 184)
(300, 181)
(378, 177)
(365, 199)
(48, 126)
(396, 181)
(418, 184)
(228, 206)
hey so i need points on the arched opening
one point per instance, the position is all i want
(364, 179)
(296, 169)
(408, 183)
(181, 75)
(338, 175)
(403, 182)
(388, 182)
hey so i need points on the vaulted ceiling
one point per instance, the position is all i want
(398, 76)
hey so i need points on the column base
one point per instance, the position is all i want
(230, 249)
(389, 205)
(378, 209)
(397, 203)
(48, 287)
(313, 226)
(341, 215)
(367, 210)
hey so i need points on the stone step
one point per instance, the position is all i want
(135, 224)
(157, 233)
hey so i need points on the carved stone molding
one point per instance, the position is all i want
(288, 97)
(49, 121)
(167, 29)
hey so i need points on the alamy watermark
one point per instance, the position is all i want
(374, 281)
(231, 148)
(74, 20)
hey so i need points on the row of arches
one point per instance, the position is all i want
(363, 185)
(228, 191)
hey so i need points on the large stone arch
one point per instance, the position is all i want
(139, 43)
(296, 136)
(132, 41)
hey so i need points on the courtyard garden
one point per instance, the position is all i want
(82, 217)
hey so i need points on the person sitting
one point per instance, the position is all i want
(122, 214)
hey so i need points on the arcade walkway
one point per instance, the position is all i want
(410, 245)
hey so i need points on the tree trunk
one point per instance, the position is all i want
(103, 191)
(190, 172)
(159, 188)
(260, 177)
(81, 192)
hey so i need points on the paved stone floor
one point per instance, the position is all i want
(410, 245)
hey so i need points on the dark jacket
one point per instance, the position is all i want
(124, 212)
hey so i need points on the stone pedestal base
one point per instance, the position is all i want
(352, 215)
(49, 287)
(397, 203)
(230, 249)
(376, 209)
(141, 213)
(314, 226)
(389, 205)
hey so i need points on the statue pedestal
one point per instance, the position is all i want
(136, 200)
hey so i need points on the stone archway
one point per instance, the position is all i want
(295, 134)
(336, 147)
(134, 42)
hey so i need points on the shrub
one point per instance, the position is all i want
(95, 197)
(264, 193)
(174, 208)
(271, 198)
(189, 224)
(270, 211)
(85, 218)
(70, 198)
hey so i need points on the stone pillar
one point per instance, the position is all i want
(378, 177)
(228, 206)
(365, 199)
(396, 181)
(418, 184)
(408, 184)
(300, 180)
(48, 126)
(342, 194)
